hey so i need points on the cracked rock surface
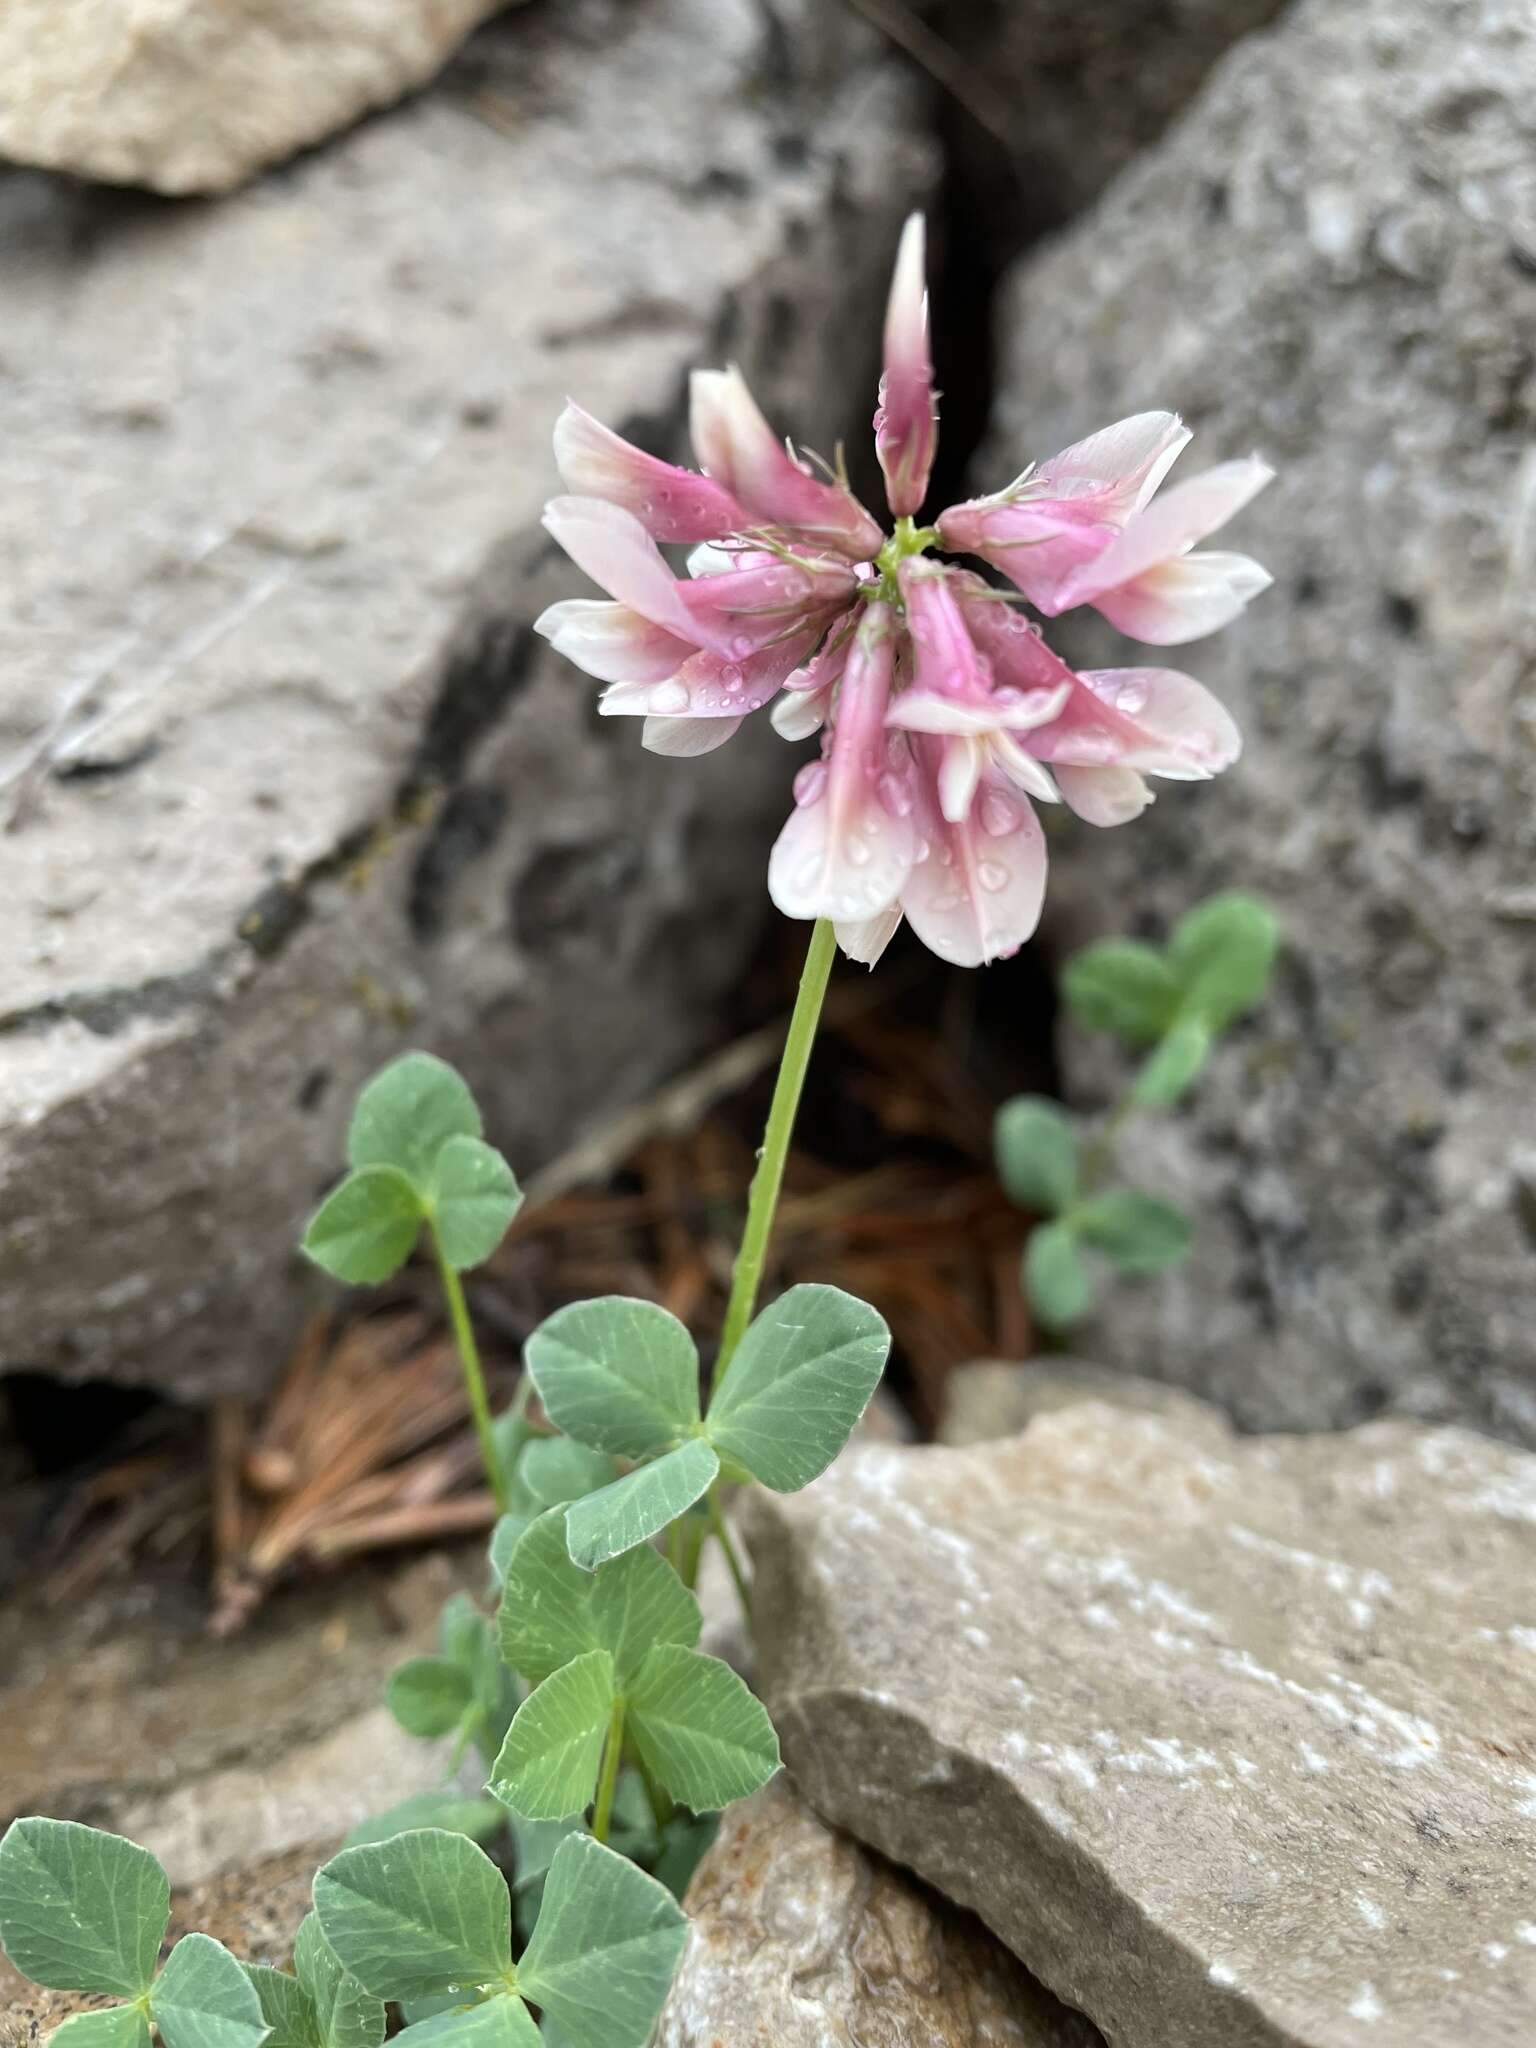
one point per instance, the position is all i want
(1229, 1739)
(798, 1937)
(292, 784)
(1332, 258)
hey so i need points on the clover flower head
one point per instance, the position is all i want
(944, 715)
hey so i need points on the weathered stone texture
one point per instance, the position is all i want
(303, 789)
(1333, 258)
(197, 97)
(799, 1938)
(1230, 1739)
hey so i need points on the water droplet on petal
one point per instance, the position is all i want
(895, 794)
(858, 853)
(1130, 697)
(992, 875)
(998, 816)
(731, 676)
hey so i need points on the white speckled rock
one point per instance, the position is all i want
(800, 1939)
(197, 95)
(1332, 257)
(1233, 1741)
(291, 782)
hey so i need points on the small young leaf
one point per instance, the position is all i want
(407, 1113)
(635, 1508)
(1175, 1063)
(415, 1915)
(1036, 1149)
(367, 1228)
(502, 2022)
(552, 1611)
(1224, 953)
(429, 1696)
(549, 1762)
(475, 1196)
(556, 1470)
(510, 1432)
(455, 1812)
(203, 1998)
(459, 1628)
(286, 2007)
(505, 1537)
(699, 1730)
(801, 1378)
(605, 1948)
(347, 2017)
(80, 1910)
(1122, 986)
(1140, 1234)
(1055, 1278)
(618, 1374)
(117, 2026)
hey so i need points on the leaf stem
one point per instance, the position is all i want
(470, 1366)
(613, 1750)
(721, 1528)
(763, 1202)
(662, 1808)
(1100, 1154)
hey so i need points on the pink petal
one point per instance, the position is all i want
(978, 894)
(740, 610)
(707, 686)
(1156, 720)
(741, 452)
(686, 738)
(799, 713)
(611, 642)
(1119, 467)
(615, 550)
(906, 419)
(850, 843)
(867, 940)
(1184, 599)
(960, 764)
(944, 657)
(1184, 514)
(1104, 796)
(672, 504)
(1040, 547)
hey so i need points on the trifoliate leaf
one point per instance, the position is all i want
(1140, 1234)
(81, 1910)
(1036, 1150)
(699, 1730)
(801, 1378)
(287, 2009)
(641, 1504)
(1122, 986)
(203, 1999)
(346, 2015)
(549, 1762)
(618, 1374)
(552, 1611)
(419, 1914)
(474, 1196)
(366, 1228)
(481, 1819)
(505, 1537)
(1174, 1065)
(556, 1470)
(117, 2026)
(1055, 1277)
(1223, 952)
(407, 1113)
(501, 2022)
(606, 1946)
(429, 1696)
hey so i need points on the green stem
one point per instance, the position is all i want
(695, 1529)
(470, 1366)
(763, 1201)
(1101, 1153)
(613, 1749)
(721, 1527)
(662, 1808)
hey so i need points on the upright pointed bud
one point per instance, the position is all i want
(906, 417)
(741, 452)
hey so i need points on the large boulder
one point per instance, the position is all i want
(195, 98)
(1333, 258)
(1229, 1739)
(798, 1937)
(293, 784)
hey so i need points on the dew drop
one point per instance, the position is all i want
(1130, 697)
(731, 676)
(998, 815)
(858, 853)
(992, 875)
(810, 782)
(895, 795)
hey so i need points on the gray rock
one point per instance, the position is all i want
(196, 98)
(1333, 258)
(992, 1398)
(1229, 1739)
(293, 785)
(799, 1938)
